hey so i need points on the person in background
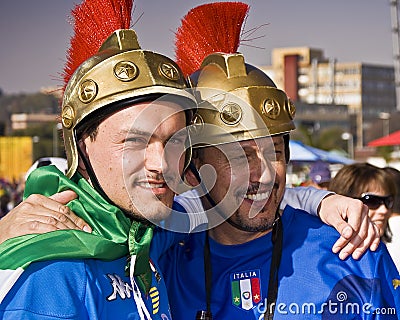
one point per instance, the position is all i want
(394, 220)
(319, 175)
(4, 204)
(373, 186)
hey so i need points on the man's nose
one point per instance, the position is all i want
(155, 157)
(265, 173)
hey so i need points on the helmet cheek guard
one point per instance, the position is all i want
(120, 74)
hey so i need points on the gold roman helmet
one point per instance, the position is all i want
(121, 73)
(237, 102)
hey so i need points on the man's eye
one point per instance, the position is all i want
(177, 141)
(278, 155)
(273, 155)
(238, 158)
(136, 140)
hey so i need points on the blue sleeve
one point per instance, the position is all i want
(45, 291)
(304, 198)
(386, 294)
(178, 219)
(188, 214)
(165, 236)
(370, 291)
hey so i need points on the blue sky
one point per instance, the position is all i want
(34, 35)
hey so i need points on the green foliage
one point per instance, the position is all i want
(385, 152)
(325, 139)
(25, 103)
(331, 138)
(29, 103)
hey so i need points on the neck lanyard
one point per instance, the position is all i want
(277, 240)
(207, 315)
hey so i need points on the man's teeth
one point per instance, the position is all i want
(151, 185)
(257, 196)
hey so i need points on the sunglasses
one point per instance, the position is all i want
(374, 202)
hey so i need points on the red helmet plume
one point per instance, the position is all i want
(209, 28)
(94, 21)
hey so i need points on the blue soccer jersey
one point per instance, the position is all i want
(86, 289)
(313, 282)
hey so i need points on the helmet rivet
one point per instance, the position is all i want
(67, 116)
(197, 120)
(169, 71)
(126, 71)
(291, 109)
(231, 113)
(197, 125)
(87, 91)
(271, 109)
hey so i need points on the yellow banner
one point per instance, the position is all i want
(15, 157)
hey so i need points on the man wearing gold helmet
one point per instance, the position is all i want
(124, 116)
(254, 261)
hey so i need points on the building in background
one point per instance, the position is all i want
(22, 121)
(308, 77)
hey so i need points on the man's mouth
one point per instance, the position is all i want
(151, 185)
(259, 196)
(157, 187)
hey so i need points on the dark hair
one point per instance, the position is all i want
(354, 179)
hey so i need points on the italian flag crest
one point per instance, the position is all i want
(245, 289)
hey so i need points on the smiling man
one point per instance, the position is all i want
(124, 116)
(257, 257)
(130, 161)
(257, 261)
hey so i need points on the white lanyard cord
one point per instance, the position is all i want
(137, 295)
